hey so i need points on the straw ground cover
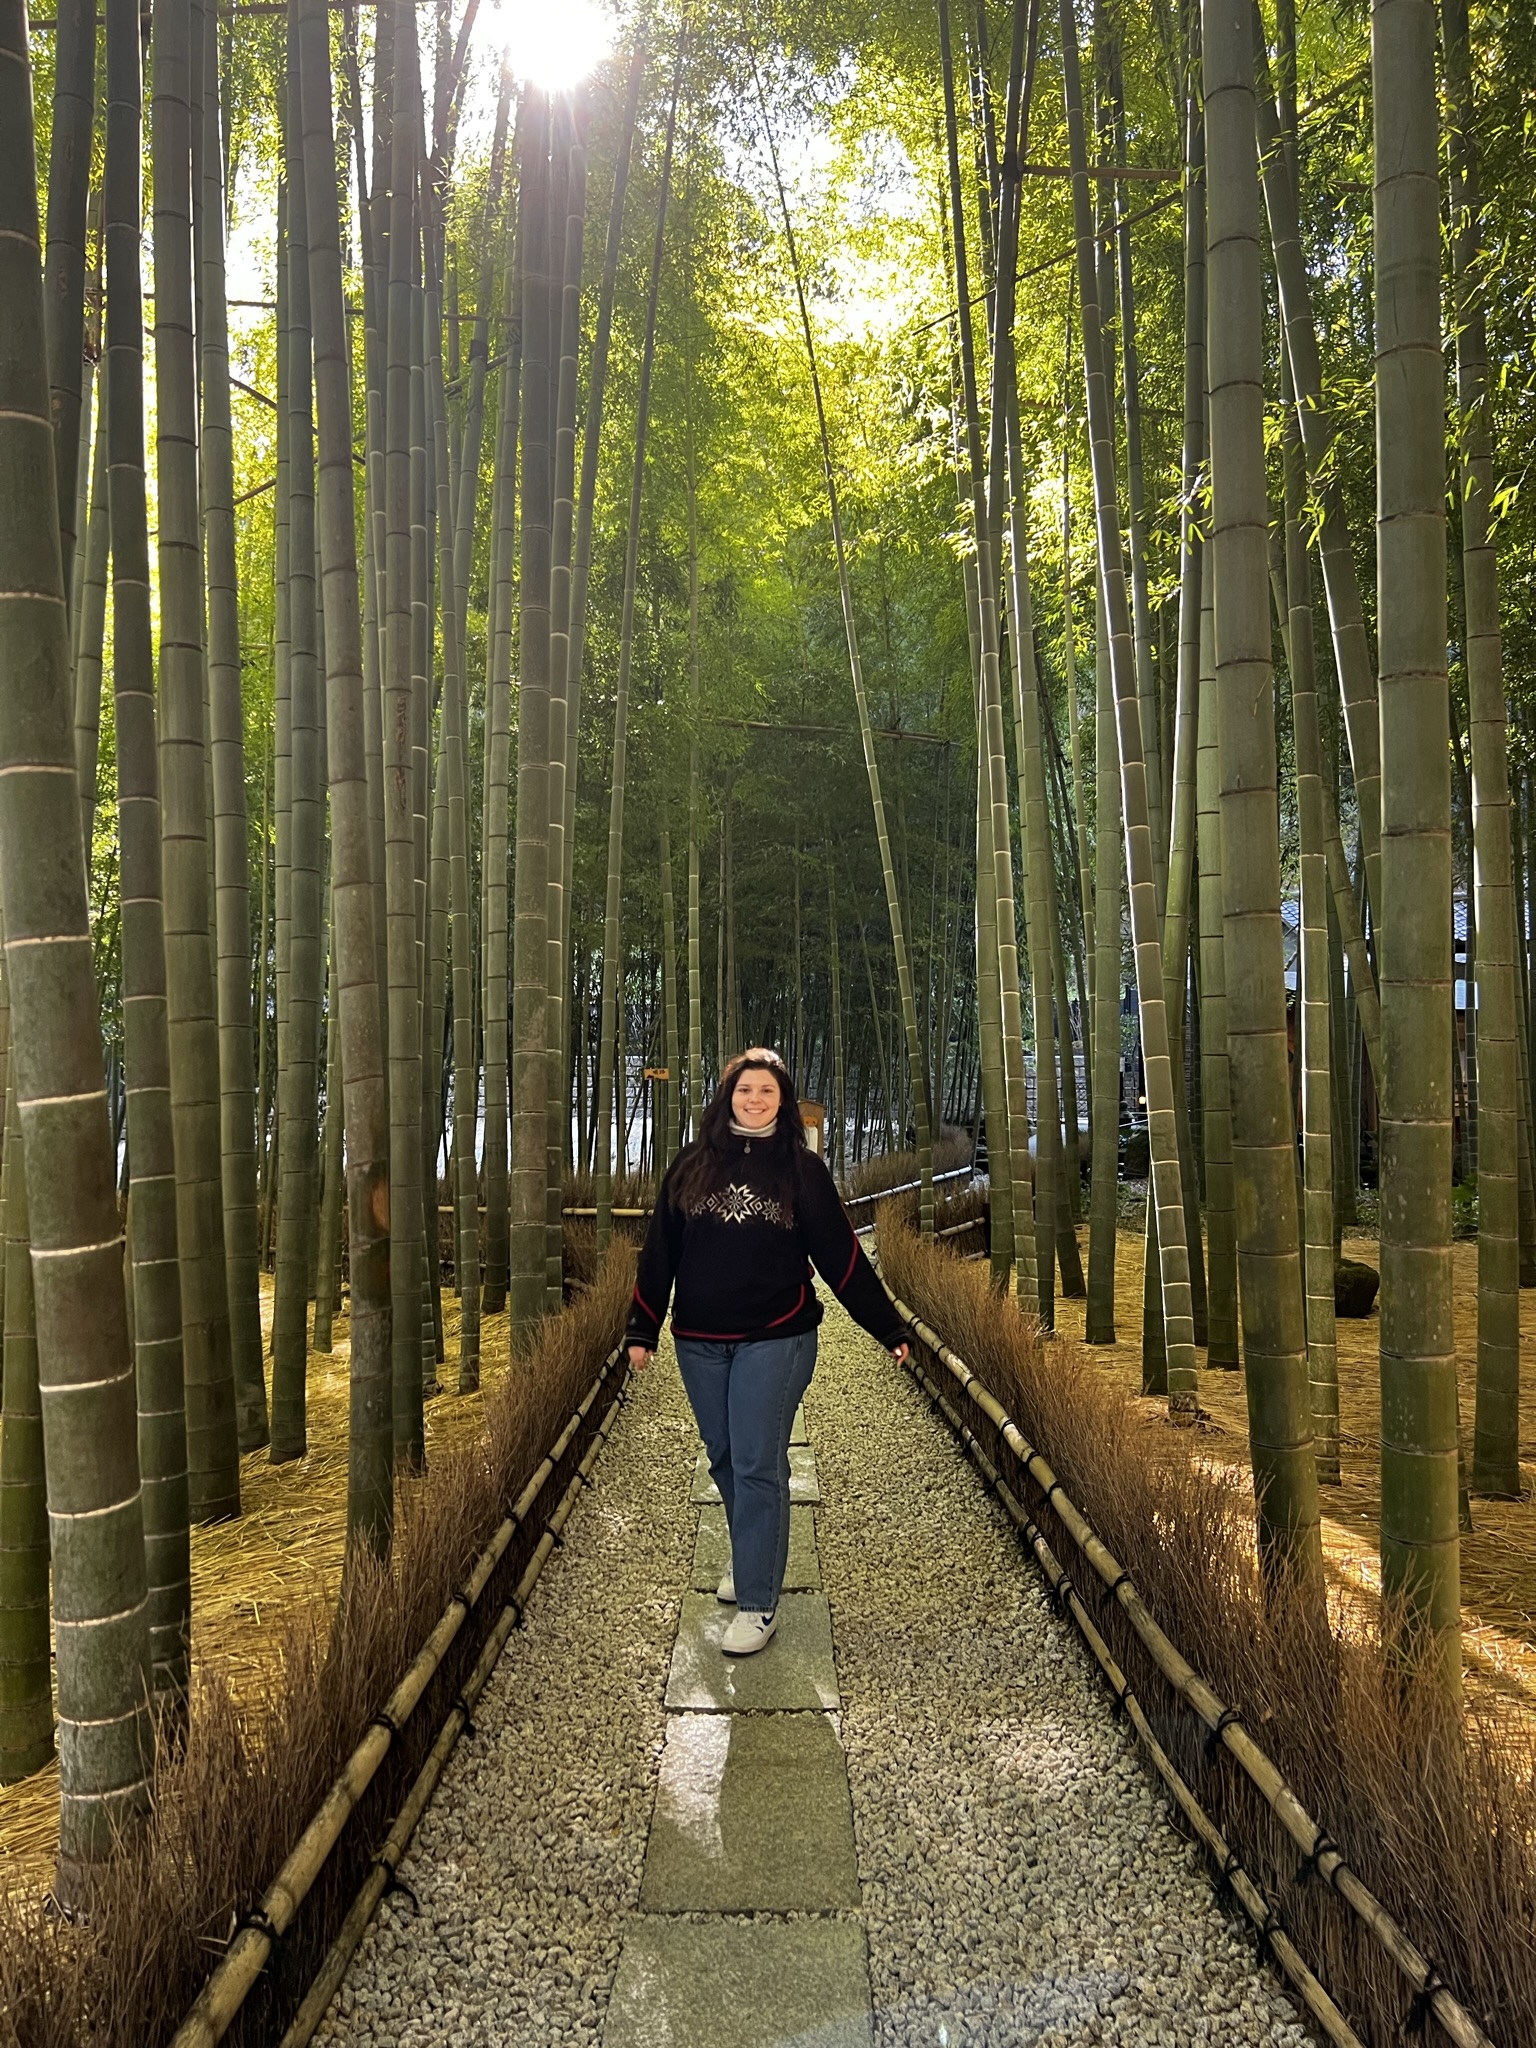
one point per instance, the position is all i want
(1498, 1559)
(1437, 1815)
(285, 1682)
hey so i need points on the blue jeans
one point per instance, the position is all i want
(744, 1399)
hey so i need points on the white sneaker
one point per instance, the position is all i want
(747, 1632)
(726, 1590)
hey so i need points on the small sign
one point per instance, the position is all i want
(814, 1116)
(658, 1073)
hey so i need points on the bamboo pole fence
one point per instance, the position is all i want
(1222, 1725)
(223, 1994)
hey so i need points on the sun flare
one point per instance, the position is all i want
(555, 43)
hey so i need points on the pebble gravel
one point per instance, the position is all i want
(528, 1860)
(1022, 1882)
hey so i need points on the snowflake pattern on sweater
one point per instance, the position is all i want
(738, 1204)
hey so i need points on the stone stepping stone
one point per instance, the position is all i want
(725, 1984)
(752, 1815)
(795, 1671)
(712, 1552)
(797, 1431)
(804, 1487)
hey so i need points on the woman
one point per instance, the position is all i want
(743, 1212)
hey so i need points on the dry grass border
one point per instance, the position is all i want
(1438, 1816)
(228, 1809)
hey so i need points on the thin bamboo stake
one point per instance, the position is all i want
(1167, 1189)
(915, 1062)
(609, 1070)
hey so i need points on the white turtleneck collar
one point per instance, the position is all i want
(741, 1130)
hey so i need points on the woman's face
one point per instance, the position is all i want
(755, 1099)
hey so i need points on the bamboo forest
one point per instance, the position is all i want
(980, 555)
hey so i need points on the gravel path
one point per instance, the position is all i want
(1022, 1883)
(529, 1857)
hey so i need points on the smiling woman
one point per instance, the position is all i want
(555, 46)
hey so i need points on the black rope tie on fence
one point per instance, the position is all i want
(1264, 1935)
(385, 1719)
(1223, 1881)
(465, 1716)
(1229, 1717)
(1121, 1578)
(258, 1922)
(1424, 2000)
(394, 1882)
(1311, 1863)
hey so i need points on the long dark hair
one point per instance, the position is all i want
(703, 1166)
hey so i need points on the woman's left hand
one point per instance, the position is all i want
(901, 1352)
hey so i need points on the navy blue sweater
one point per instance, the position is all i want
(737, 1268)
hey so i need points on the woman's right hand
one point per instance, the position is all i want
(639, 1357)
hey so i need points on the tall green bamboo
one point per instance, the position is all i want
(668, 1116)
(1099, 1324)
(407, 1253)
(591, 447)
(1420, 1549)
(152, 1194)
(453, 766)
(568, 240)
(1167, 1188)
(1263, 1125)
(917, 1066)
(90, 630)
(1351, 646)
(69, 177)
(1034, 1262)
(26, 1665)
(607, 1066)
(231, 833)
(498, 730)
(837, 1109)
(693, 1101)
(298, 1061)
(1314, 982)
(212, 1448)
(530, 958)
(1495, 1452)
(1222, 1349)
(364, 1082)
(328, 1234)
(85, 1369)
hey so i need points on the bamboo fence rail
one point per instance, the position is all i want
(382, 1871)
(241, 1965)
(1233, 1877)
(1220, 1721)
